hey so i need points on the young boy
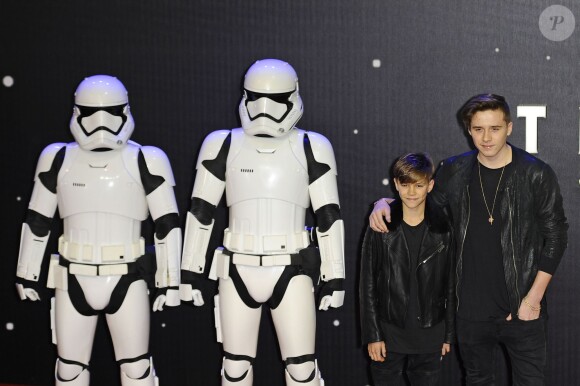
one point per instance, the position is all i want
(407, 287)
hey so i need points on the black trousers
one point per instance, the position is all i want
(525, 342)
(422, 369)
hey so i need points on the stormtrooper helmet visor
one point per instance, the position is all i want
(108, 118)
(272, 106)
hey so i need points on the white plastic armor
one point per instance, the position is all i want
(263, 168)
(78, 377)
(101, 115)
(101, 185)
(271, 104)
(209, 188)
(316, 381)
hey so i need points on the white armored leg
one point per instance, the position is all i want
(295, 322)
(71, 374)
(239, 326)
(129, 328)
(74, 334)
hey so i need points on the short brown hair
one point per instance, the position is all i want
(483, 102)
(413, 167)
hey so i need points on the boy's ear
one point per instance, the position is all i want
(396, 183)
(431, 185)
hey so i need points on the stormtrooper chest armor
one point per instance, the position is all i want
(102, 182)
(267, 193)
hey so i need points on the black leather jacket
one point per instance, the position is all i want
(534, 233)
(385, 276)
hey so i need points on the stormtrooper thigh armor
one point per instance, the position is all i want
(129, 332)
(294, 319)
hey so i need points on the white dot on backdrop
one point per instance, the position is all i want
(18, 198)
(386, 181)
(163, 325)
(548, 57)
(355, 131)
(376, 63)
(336, 323)
(496, 49)
(8, 81)
(10, 326)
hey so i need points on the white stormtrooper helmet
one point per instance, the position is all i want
(271, 104)
(101, 117)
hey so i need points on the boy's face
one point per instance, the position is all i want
(489, 132)
(414, 194)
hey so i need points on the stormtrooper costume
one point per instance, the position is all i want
(104, 186)
(271, 173)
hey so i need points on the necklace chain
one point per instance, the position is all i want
(490, 212)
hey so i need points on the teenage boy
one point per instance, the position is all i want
(511, 234)
(407, 288)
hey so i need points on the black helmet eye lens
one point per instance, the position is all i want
(279, 98)
(86, 111)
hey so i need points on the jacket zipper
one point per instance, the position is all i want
(439, 249)
(512, 245)
(460, 260)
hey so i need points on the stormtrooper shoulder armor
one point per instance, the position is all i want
(211, 167)
(322, 150)
(158, 163)
(46, 158)
(212, 144)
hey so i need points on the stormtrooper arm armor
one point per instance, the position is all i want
(330, 230)
(158, 182)
(208, 189)
(41, 209)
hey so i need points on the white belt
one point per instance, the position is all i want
(98, 270)
(267, 244)
(84, 252)
(261, 261)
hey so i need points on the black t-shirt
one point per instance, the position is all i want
(413, 339)
(483, 292)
